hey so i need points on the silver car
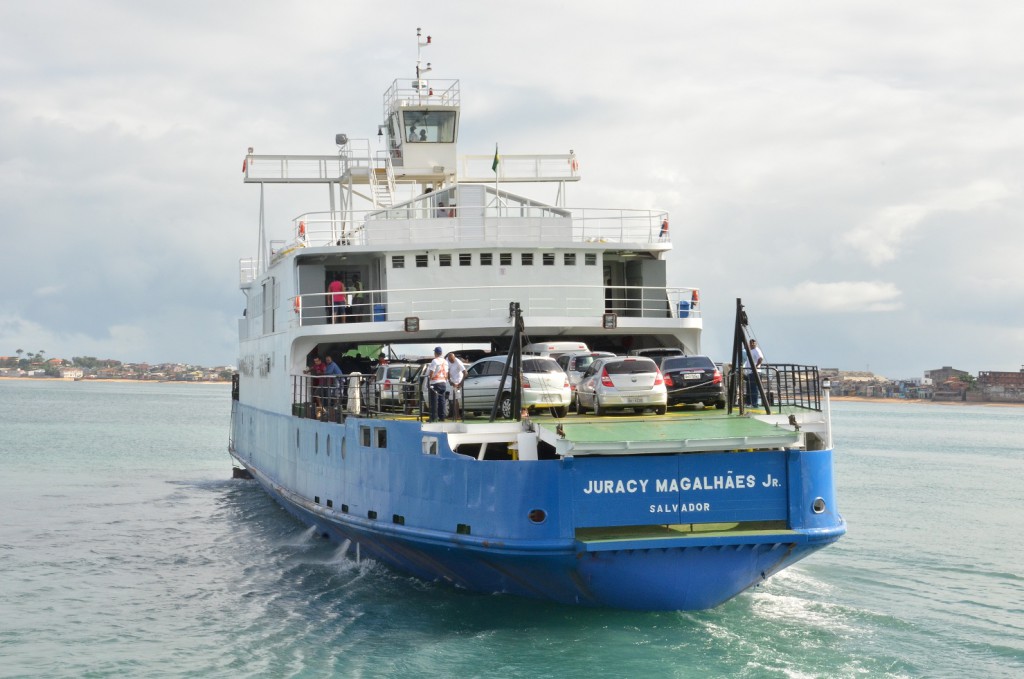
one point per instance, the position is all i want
(395, 387)
(544, 385)
(575, 363)
(621, 382)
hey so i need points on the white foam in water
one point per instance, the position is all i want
(303, 539)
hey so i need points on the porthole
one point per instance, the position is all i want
(818, 506)
(537, 515)
(328, 445)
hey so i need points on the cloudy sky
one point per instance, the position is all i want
(852, 170)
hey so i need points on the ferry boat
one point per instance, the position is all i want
(654, 511)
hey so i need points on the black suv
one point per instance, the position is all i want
(693, 379)
(657, 354)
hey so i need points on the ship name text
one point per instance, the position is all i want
(728, 481)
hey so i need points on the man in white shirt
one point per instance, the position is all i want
(757, 355)
(456, 373)
(437, 375)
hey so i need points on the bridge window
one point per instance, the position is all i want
(421, 261)
(590, 259)
(549, 259)
(444, 260)
(398, 261)
(465, 259)
(570, 259)
(527, 259)
(505, 259)
(486, 259)
(430, 126)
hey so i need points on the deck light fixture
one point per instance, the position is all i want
(412, 324)
(609, 321)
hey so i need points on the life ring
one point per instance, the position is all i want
(694, 297)
(574, 165)
(664, 228)
(298, 304)
(302, 230)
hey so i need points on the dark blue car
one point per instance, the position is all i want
(693, 379)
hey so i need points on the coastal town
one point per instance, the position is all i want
(941, 384)
(38, 365)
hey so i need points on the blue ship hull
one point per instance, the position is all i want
(628, 532)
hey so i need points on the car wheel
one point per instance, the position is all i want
(720, 405)
(560, 411)
(598, 410)
(505, 407)
(580, 410)
(660, 410)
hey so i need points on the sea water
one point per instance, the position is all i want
(127, 550)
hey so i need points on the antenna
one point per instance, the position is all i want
(421, 85)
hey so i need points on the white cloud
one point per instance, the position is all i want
(847, 297)
(880, 237)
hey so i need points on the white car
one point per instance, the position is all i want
(622, 382)
(544, 385)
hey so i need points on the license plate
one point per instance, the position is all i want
(634, 399)
(550, 398)
(692, 376)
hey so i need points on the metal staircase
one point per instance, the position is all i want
(382, 182)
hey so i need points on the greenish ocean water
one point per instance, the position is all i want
(127, 550)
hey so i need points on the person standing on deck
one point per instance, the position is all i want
(753, 397)
(316, 370)
(456, 373)
(334, 381)
(437, 373)
(336, 297)
(359, 305)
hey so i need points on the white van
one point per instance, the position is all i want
(554, 349)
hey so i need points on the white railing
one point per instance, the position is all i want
(571, 301)
(416, 92)
(520, 168)
(278, 168)
(420, 221)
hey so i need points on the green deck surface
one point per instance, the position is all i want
(665, 433)
(658, 428)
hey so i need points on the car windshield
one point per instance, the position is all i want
(630, 367)
(583, 362)
(684, 362)
(540, 365)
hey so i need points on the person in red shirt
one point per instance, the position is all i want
(316, 370)
(337, 299)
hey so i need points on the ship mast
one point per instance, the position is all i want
(420, 84)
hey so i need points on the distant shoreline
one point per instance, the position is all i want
(113, 379)
(854, 399)
(865, 399)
